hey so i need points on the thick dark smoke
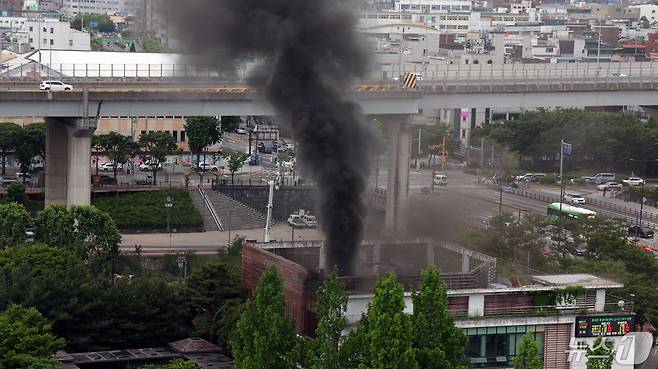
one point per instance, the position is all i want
(312, 50)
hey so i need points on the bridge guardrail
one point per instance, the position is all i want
(462, 73)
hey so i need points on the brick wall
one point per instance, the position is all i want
(299, 284)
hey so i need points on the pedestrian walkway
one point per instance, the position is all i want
(233, 214)
(208, 222)
(215, 239)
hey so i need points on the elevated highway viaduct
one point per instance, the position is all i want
(71, 116)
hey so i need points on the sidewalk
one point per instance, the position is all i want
(215, 239)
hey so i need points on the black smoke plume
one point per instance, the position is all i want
(312, 52)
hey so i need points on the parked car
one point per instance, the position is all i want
(106, 181)
(574, 198)
(37, 164)
(241, 131)
(144, 181)
(109, 167)
(599, 178)
(206, 167)
(633, 181)
(440, 180)
(296, 221)
(55, 86)
(530, 177)
(610, 186)
(147, 166)
(640, 231)
(310, 221)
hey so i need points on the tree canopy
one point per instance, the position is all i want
(611, 140)
(202, 132)
(97, 22)
(265, 336)
(528, 355)
(117, 147)
(26, 340)
(8, 134)
(155, 147)
(14, 221)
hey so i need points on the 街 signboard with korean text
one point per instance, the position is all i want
(595, 326)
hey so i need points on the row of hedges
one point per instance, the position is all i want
(145, 211)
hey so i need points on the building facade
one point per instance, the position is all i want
(565, 313)
(51, 34)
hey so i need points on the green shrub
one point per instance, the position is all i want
(548, 179)
(145, 211)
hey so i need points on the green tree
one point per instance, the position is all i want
(331, 307)
(202, 132)
(601, 355)
(96, 22)
(438, 344)
(117, 147)
(26, 340)
(230, 123)
(153, 45)
(14, 221)
(265, 336)
(433, 135)
(16, 193)
(528, 355)
(225, 321)
(210, 286)
(389, 337)
(155, 147)
(8, 135)
(235, 162)
(88, 232)
(30, 142)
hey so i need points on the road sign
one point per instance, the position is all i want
(409, 80)
(567, 148)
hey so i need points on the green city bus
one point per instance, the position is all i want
(569, 211)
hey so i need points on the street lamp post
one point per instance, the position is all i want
(169, 203)
(565, 148)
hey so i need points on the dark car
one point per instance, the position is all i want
(641, 231)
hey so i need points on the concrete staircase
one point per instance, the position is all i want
(208, 221)
(234, 214)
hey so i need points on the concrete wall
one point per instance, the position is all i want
(286, 200)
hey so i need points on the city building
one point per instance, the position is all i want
(11, 5)
(71, 8)
(48, 33)
(563, 312)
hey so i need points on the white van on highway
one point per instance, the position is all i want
(599, 178)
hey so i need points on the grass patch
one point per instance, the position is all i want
(145, 212)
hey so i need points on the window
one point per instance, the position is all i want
(52, 30)
(31, 29)
(142, 133)
(182, 136)
(70, 42)
(45, 41)
(52, 42)
(175, 135)
(45, 29)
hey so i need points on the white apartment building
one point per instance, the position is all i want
(444, 22)
(51, 34)
(433, 6)
(71, 8)
(11, 23)
(650, 11)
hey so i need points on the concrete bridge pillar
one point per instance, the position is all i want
(68, 160)
(397, 189)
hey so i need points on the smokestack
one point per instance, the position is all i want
(311, 51)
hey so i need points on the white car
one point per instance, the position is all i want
(55, 86)
(109, 167)
(147, 166)
(574, 198)
(310, 221)
(633, 181)
(296, 221)
(241, 131)
(610, 186)
(207, 167)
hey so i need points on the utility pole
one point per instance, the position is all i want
(482, 153)
(565, 148)
(420, 130)
(270, 203)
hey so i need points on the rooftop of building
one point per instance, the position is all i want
(195, 349)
